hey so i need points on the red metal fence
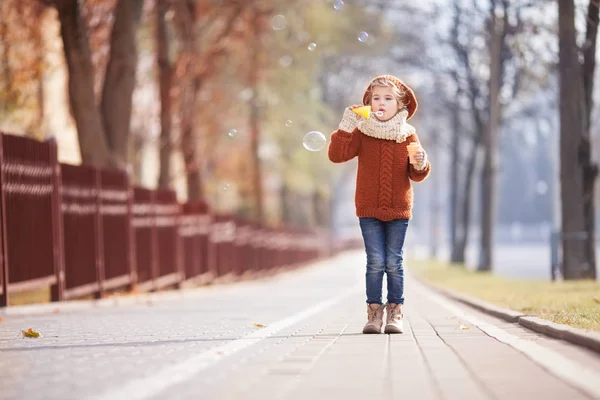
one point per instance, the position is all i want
(83, 231)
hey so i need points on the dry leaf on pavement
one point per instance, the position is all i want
(463, 327)
(30, 333)
(259, 325)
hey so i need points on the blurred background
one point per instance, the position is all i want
(214, 99)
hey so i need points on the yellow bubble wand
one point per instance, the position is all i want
(365, 111)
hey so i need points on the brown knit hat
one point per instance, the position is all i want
(409, 100)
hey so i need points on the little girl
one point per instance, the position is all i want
(384, 194)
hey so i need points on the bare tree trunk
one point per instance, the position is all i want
(454, 182)
(189, 85)
(473, 92)
(39, 126)
(589, 60)
(576, 262)
(90, 129)
(165, 74)
(590, 169)
(490, 140)
(435, 217)
(255, 118)
(284, 201)
(119, 80)
(189, 137)
(137, 161)
(463, 228)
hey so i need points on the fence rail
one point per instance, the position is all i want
(84, 231)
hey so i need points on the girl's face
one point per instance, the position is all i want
(383, 99)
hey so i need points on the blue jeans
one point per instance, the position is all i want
(384, 244)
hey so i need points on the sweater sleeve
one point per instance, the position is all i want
(418, 173)
(345, 142)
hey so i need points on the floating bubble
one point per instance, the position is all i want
(288, 123)
(541, 187)
(246, 94)
(285, 61)
(232, 132)
(314, 141)
(278, 22)
(338, 4)
(225, 186)
(312, 46)
(379, 113)
(363, 36)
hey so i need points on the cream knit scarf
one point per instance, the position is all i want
(396, 128)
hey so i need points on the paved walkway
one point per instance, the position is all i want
(310, 347)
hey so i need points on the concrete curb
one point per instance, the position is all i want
(498, 312)
(590, 340)
(579, 337)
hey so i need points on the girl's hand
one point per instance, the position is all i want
(349, 119)
(419, 157)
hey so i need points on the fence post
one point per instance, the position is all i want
(58, 244)
(99, 232)
(3, 244)
(131, 237)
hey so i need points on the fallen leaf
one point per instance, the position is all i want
(30, 333)
(220, 352)
(259, 325)
(1, 319)
(463, 327)
(56, 310)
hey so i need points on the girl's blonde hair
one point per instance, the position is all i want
(385, 82)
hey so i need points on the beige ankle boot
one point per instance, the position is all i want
(375, 315)
(395, 319)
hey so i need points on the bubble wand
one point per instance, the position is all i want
(365, 111)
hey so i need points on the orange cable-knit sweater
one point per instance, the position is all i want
(383, 188)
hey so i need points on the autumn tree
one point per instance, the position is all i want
(203, 30)
(103, 129)
(22, 66)
(164, 46)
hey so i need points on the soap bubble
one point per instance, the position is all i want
(338, 4)
(541, 187)
(379, 113)
(232, 132)
(288, 123)
(225, 186)
(246, 94)
(314, 141)
(312, 46)
(363, 36)
(286, 61)
(278, 22)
